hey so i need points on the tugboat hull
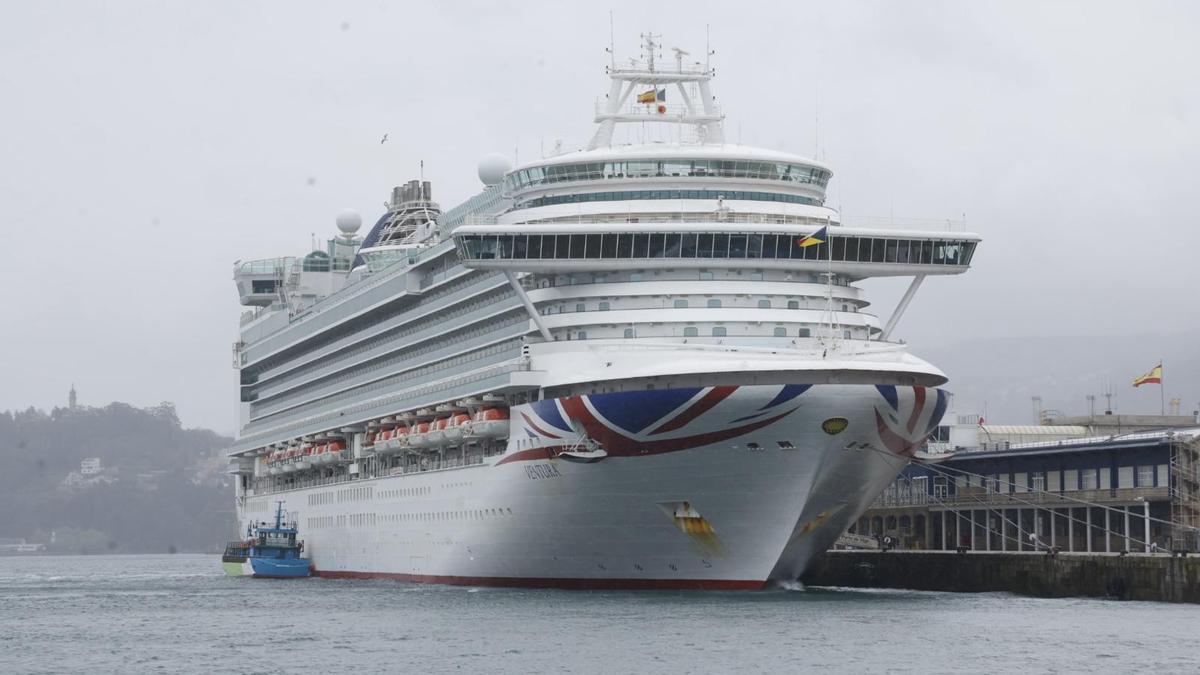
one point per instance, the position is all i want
(279, 568)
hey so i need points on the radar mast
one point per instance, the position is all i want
(651, 106)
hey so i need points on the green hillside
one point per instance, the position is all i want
(158, 487)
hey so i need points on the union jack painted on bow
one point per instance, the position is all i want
(907, 419)
(648, 422)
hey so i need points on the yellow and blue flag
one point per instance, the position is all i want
(818, 237)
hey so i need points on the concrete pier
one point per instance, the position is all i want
(1132, 577)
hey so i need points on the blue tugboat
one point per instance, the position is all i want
(269, 552)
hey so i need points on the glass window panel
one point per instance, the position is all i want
(578, 242)
(641, 246)
(713, 302)
(720, 245)
(593, 246)
(681, 304)
(890, 247)
(877, 249)
(625, 246)
(657, 245)
(690, 331)
(673, 245)
(968, 251)
(704, 246)
(519, 247)
(754, 245)
(687, 248)
(534, 250)
(608, 246)
(505, 248)
(718, 331)
(737, 246)
(562, 246)
(764, 304)
(780, 331)
(839, 248)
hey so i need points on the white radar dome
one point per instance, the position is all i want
(349, 221)
(493, 167)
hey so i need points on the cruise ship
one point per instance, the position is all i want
(644, 363)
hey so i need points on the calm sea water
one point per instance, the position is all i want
(180, 614)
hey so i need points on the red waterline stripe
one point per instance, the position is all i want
(557, 582)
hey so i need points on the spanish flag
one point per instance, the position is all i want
(652, 96)
(818, 237)
(1152, 377)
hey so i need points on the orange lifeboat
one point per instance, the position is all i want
(437, 431)
(490, 423)
(456, 428)
(419, 438)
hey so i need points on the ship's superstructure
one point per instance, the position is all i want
(638, 365)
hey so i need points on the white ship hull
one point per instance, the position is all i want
(696, 488)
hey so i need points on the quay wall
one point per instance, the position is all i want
(1133, 577)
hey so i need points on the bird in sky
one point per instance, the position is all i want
(383, 140)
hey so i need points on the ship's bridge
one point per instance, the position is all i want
(851, 253)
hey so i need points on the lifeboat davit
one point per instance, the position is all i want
(419, 438)
(456, 428)
(490, 423)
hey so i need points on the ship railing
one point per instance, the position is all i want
(659, 111)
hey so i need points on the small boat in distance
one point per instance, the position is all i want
(269, 552)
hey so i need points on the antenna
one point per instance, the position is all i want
(650, 46)
(707, 49)
(422, 170)
(612, 41)
(1037, 409)
(1091, 399)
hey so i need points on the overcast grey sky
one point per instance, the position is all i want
(145, 146)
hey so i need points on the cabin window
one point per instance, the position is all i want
(718, 331)
(793, 304)
(628, 332)
(691, 331)
(713, 302)
(764, 304)
(1145, 476)
(604, 307)
(780, 331)
(681, 304)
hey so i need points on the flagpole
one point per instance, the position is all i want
(829, 281)
(1162, 405)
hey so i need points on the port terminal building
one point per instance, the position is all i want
(1102, 484)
